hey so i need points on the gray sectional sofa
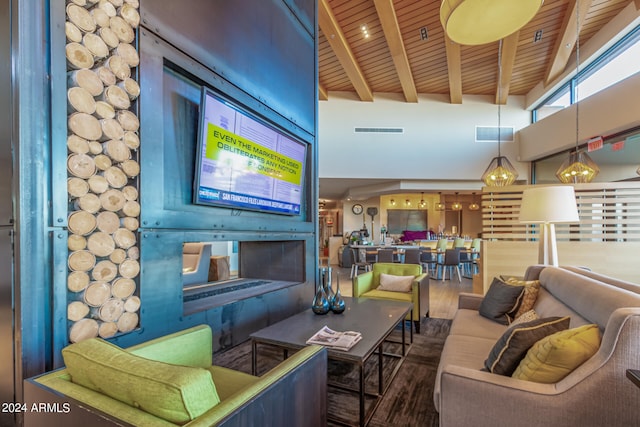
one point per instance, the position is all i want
(597, 393)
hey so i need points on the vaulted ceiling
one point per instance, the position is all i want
(407, 51)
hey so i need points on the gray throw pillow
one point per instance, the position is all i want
(501, 301)
(510, 349)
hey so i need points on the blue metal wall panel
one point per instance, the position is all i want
(270, 65)
(279, 71)
(32, 171)
(168, 119)
(162, 299)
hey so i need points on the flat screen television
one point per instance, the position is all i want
(245, 162)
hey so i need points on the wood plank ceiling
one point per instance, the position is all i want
(396, 57)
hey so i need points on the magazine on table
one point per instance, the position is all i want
(334, 339)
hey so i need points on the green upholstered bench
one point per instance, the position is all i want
(171, 381)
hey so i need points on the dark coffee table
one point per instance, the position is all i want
(374, 319)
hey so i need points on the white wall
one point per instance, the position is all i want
(612, 110)
(438, 142)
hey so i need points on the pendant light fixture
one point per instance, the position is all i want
(578, 167)
(474, 206)
(456, 206)
(474, 22)
(440, 205)
(500, 171)
(422, 203)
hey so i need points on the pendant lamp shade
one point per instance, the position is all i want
(577, 168)
(456, 206)
(474, 206)
(440, 206)
(474, 22)
(500, 173)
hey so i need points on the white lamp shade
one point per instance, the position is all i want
(552, 204)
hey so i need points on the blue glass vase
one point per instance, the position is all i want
(320, 302)
(325, 279)
(337, 304)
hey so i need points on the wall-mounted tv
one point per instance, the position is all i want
(244, 162)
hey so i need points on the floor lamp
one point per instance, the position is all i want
(548, 206)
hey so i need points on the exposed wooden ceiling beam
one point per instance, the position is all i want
(338, 42)
(323, 95)
(507, 59)
(391, 29)
(637, 3)
(454, 64)
(567, 38)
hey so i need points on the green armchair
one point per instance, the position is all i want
(367, 285)
(171, 381)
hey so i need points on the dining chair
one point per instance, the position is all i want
(412, 256)
(428, 259)
(450, 261)
(466, 261)
(385, 255)
(356, 264)
(475, 254)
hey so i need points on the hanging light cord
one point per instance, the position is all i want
(577, 83)
(499, 92)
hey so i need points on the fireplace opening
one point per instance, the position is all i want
(221, 272)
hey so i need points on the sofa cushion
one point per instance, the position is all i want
(562, 285)
(470, 323)
(394, 296)
(409, 235)
(548, 305)
(175, 393)
(501, 302)
(531, 288)
(463, 351)
(390, 282)
(509, 350)
(556, 356)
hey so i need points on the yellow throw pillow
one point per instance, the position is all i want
(556, 356)
(531, 289)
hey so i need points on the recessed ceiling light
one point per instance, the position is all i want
(537, 36)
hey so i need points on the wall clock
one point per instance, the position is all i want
(357, 209)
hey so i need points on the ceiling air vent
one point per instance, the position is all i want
(490, 133)
(378, 130)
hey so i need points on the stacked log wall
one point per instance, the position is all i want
(103, 167)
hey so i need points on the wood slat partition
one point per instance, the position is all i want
(607, 239)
